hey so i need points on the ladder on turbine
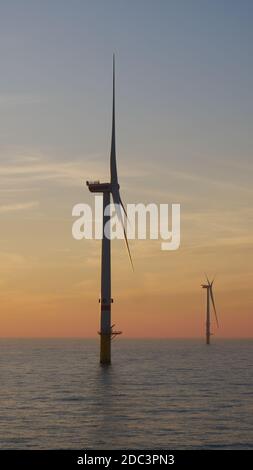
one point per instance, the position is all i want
(114, 333)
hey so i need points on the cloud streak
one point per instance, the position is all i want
(18, 207)
(19, 99)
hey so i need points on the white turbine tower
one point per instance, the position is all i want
(108, 189)
(209, 292)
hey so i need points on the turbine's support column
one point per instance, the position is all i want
(207, 317)
(105, 329)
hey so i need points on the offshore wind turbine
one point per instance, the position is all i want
(209, 295)
(107, 189)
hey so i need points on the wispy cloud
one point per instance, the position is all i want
(7, 99)
(32, 169)
(18, 207)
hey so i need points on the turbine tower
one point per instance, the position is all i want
(107, 189)
(209, 294)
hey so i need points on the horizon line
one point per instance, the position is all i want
(128, 337)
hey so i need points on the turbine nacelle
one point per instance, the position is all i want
(97, 187)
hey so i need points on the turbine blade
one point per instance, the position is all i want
(113, 165)
(128, 249)
(118, 204)
(207, 279)
(113, 168)
(212, 298)
(123, 207)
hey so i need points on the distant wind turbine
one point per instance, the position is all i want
(108, 189)
(209, 292)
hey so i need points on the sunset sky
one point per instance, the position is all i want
(184, 116)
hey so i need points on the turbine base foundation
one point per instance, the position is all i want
(105, 349)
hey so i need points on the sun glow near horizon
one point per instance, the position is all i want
(184, 120)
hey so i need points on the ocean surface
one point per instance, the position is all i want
(157, 394)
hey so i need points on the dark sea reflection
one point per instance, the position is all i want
(172, 394)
